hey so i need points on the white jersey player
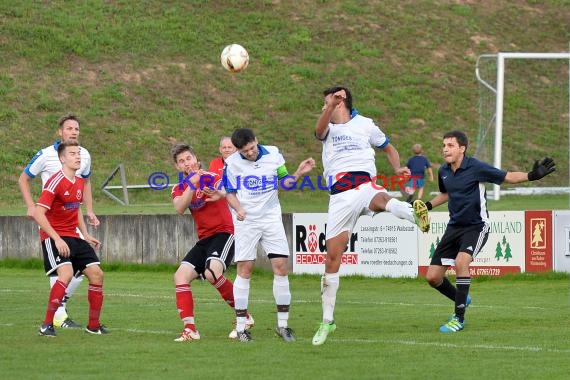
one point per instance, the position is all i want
(253, 175)
(349, 141)
(45, 163)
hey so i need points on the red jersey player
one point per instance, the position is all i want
(226, 149)
(65, 252)
(214, 251)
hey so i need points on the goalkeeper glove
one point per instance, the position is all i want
(541, 168)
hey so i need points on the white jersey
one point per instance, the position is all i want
(256, 183)
(350, 147)
(46, 162)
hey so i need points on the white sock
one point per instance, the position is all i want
(402, 210)
(241, 296)
(61, 312)
(72, 286)
(329, 287)
(282, 296)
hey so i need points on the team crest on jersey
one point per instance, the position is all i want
(78, 195)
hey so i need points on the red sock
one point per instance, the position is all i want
(226, 289)
(95, 298)
(185, 305)
(56, 295)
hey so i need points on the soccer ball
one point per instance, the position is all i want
(234, 58)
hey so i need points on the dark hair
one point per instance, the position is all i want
(64, 144)
(347, 101)
(67, 117)
(242, 136)
(180, 148)
(459, 136)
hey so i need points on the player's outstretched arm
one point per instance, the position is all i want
(394, 159)
(540, 169)
(304, 167)
(439, 199)
(331, 103)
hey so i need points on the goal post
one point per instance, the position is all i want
(522, 94)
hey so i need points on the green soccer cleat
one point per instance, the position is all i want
(452, 326)
(421, 215)
(324, 330)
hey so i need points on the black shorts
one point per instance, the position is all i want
(219, 246)
(469, 239)
(81, 255)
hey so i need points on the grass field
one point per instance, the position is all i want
(387, 329)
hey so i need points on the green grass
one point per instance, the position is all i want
(387, 328)
(308, 201)
(143, 75)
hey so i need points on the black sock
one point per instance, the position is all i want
(463, 284)
(447, 289)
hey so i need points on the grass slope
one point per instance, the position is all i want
(143, 75)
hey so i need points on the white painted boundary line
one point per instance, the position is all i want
(488, 347)
(215, 300)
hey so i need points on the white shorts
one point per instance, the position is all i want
(345, 208)
(271, 235)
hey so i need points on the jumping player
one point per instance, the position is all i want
(348, 141)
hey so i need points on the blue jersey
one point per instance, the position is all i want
(465, 188)
(418, 166)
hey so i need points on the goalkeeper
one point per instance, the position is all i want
(461, 184)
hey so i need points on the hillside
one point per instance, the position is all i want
(142, 75)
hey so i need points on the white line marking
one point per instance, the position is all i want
(299, 301)
(489, 347)
(453, 345)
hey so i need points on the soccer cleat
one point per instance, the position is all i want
(452, 326)
(421, 215)
(467, 303)
(244, 336)
(324, 330)
(188, 335)
(67, 323)
(47, 330)
(285, 333)
(249, 323)
(101, 330)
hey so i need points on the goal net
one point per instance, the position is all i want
(524, 108)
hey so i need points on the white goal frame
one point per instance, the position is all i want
(499, 93)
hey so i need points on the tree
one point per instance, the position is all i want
(508, 254)
(499, 252)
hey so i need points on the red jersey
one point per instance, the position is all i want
(62, 198)
(217, 166)
(210, 217)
